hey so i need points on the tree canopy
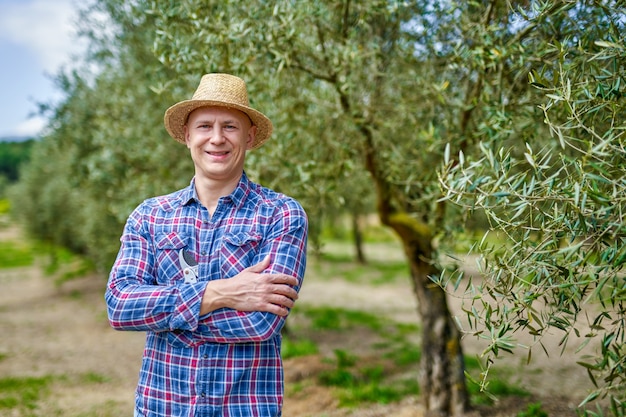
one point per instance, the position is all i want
(560, 205)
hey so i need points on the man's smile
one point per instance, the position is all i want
(218, 153)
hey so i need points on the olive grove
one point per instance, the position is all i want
(411, 103)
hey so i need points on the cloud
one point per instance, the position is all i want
(30, 127)
(44, 27)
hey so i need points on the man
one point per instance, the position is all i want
(211, 271)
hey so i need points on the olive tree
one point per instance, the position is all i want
(558, 196)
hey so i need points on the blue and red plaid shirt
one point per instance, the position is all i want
(227, 362)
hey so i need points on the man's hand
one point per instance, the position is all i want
(251, 290)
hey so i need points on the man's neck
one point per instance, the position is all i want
(210, 191)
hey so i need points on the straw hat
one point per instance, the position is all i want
(222, 90)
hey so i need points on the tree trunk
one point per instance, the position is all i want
(358, 238)
(442, 371)
(442, 368)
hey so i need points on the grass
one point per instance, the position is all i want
(335, 318)
(389, 372)
(293, 348)
(533, 410)
(94, 378)
(359, 384)
(341, 230)
(333, 264)
(109, 408)
(22, 394)
(34, 396)
(15, 254)
(60, 263)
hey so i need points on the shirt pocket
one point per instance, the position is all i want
(238, 252)
(168, 247)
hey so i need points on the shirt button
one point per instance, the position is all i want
(203, 395)
(203, 253)
(205, 356)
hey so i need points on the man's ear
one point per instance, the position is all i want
(251, 136)
(186, 134)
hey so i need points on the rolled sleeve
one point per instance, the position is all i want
(134, 299)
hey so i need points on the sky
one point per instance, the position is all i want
(37, 38)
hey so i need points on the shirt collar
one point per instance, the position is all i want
(240, 192)
(188, 195)
(238, 196)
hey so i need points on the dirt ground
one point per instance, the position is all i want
(52, 330)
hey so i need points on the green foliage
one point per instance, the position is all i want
(12, 155)
(5, 206)
(58, 262)
(4, 184)
(560, 204)
(63, 265)
(615, 408)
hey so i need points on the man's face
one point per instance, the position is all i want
(218, 138)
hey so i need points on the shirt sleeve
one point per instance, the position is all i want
(135, 301)
(286, 244)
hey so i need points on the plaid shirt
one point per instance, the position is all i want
(227, 362)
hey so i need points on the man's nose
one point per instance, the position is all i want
(218, 135)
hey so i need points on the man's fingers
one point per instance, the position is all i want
(286, 291)
(283, 285)
(261, 266)
(284, 279)
(282, 300)
(273, 278)
(278, 310)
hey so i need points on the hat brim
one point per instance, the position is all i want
(176, 117)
